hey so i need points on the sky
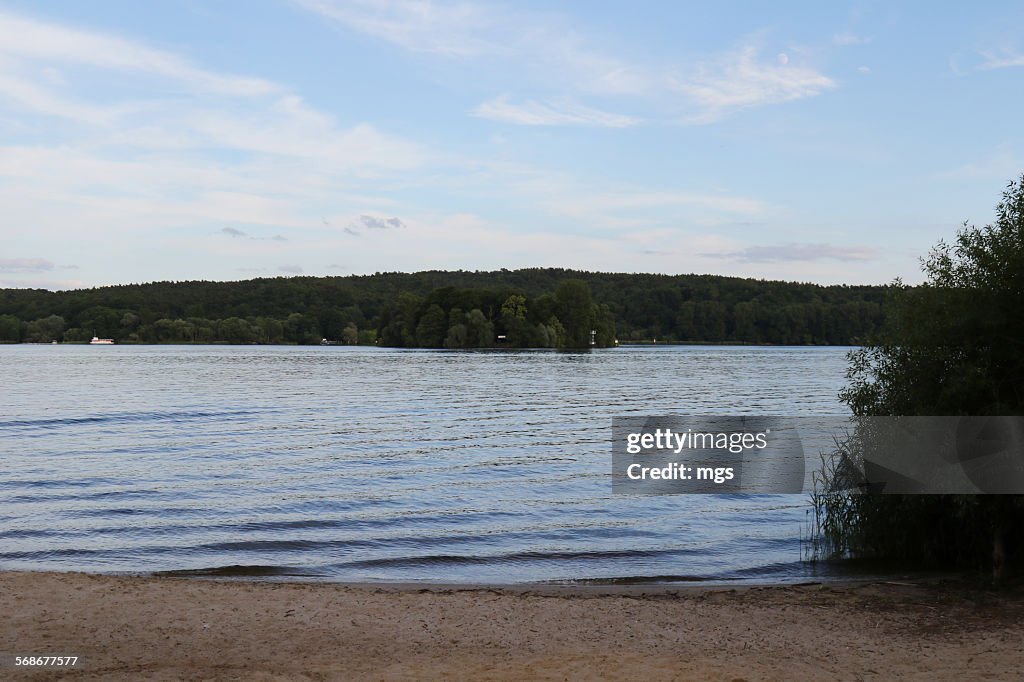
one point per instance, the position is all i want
(184, 140)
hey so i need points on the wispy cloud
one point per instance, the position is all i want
(1003, 59)
(454, 29)
(556, 113)
(25, 265)
(31, 39)
(549, 54)
(166, 144)
(291, 269)
(798, 252)
(744, 79)
(209, 110)
(543, 42)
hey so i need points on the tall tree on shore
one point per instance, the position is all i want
(953, 346)
(575, 311)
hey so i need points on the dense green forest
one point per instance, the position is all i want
(524, 308)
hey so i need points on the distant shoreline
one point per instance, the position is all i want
(631, 344)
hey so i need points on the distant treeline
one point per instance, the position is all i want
(523, 308)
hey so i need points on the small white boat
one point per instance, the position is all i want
(97, 341)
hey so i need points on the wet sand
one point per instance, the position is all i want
(130, 628)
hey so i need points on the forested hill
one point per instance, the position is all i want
(391, 308)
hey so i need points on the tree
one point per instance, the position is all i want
(689, 308)
(575, 312)
(479, 331)
(514, 308)
(46, 329)
(270, 330)
(350, 334)
(953, 346)
(302, 329)
(10, 329)
(457, 331)
(103, 321)
(457, 336)
(236, 330)
(604, 324)
(430, 332)
(129, 324)
(519, 331)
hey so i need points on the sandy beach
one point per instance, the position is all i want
(171, 628)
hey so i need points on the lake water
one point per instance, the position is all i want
(367, 464)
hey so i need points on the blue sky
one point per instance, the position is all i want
(227, 140)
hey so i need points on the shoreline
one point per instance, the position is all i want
(126, 627)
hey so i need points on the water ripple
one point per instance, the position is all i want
(373, 464)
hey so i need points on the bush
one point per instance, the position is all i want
(953, 346)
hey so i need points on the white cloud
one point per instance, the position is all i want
(543, 42)
(742, 80)
(213, 111)
(156, 174)
(131, 160)
(31, 96)
(288, 128)
(455, 29)
(548, 53)
(36, 40)
(563, 112)
(1002, 60)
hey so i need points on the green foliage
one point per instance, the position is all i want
(644, 307)
(953, 346)
(479, 330)
(77, 335)
(458, 336)
(576, 312)
(45, 330)
(350, 334)
(514, 308)
(237, 331)
(432, 328)
(10, 329)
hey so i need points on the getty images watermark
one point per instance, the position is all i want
(749, 454)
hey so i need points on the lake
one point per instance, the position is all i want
(370, 464)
